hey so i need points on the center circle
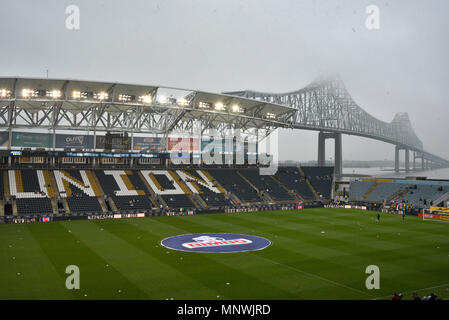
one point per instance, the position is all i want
(215, 242)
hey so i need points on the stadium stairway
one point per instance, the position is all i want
(15, 211)
(264, 196)
(398, 195)
(441, 201)
(227, 195)
(247, 181)
(215, 181)
(112, 204)
(102, 204)
(371, 189)
(292, 193)
(196, 199)
(51, 189)
(315, 194)
(184, 188)
(153, 197)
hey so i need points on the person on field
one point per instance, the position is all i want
(396, 297)
(378, 216)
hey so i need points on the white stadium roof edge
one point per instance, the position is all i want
(65, 104)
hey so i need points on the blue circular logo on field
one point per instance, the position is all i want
(215, 242)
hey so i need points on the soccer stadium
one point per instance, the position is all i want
(143, 213)
(223, 156)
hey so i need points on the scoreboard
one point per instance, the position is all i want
(114, 141)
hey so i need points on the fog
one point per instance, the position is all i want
(272, 46)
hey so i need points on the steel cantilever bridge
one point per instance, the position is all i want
(324, 106)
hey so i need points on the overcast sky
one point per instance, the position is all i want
(272, 46)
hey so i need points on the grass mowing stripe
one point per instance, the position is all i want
(97, 281)
(245, 284)
(189, 221)
(394, 243)
(352, 260)
(411, 254)
(24, 264)
(146, 272)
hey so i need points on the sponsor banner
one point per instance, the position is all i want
(441, 209)
(431, 216)
(100, 217)
(4, 138)
(183, 144)
(74, 141)
(128, 215)
(334, 206)
(215, 242)
(149, 144)
(348, 207)
(32, 140)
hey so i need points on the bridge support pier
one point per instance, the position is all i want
(407, 159)
(414, 160)
(338, 164)
(321, 149)
(396, 159)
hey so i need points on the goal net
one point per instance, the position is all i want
(437, 214)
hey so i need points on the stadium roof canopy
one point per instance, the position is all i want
(58, 104)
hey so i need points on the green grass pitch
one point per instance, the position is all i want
(123, 259)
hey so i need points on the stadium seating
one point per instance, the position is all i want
(421, 195)
(291, 178)
(178, 201)
(357, 189)
(321, 179)
(233, 182)
(35, 192)
(111, 186)
(130, 203)
(383, 191)
(211, 198)
(83, 204)
(266, 184)
(427, 193)
(34, 206)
